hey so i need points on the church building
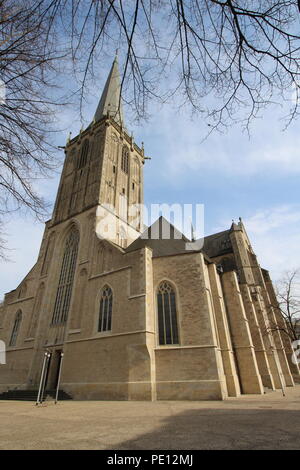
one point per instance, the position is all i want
(124, 315)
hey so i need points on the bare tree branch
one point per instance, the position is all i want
(27, 57)
(227, 60)
(288, 295)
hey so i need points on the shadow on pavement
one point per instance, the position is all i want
(223, 429)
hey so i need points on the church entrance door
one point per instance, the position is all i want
(53, 371)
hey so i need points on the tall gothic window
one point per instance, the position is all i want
(125, 159)
(167, 314)
(83, 154)
(64, 290)
(105, 312)
(16, 328)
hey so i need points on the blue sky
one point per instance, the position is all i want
(233, 175)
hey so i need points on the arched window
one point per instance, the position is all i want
(167, 314)
(16, 328)
(105, 312)
(64, 290)
(84, 154)
(125, 159)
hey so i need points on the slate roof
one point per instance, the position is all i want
(217, 244)
(165, 240)
(110, 100)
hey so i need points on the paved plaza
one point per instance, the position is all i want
(250, 422)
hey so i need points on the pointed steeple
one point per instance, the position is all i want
(110, 102)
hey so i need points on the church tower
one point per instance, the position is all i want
(97, 214)
(103, 169)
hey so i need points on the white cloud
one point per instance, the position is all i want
(278, 252)
(234, 154)
(275, 236)
(274, 233)
(24, 239)
(266, 220)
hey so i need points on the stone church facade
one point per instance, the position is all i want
(138, 318)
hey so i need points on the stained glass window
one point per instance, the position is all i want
(167, 314)
(105, 309)
(64, 290)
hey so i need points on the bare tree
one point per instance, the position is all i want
(27, 56)
(227, 59)
(25, 113)
(3, 247)
(288, 295)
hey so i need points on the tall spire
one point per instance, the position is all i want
(110, 102)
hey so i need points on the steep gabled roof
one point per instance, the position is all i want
(163, 238)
